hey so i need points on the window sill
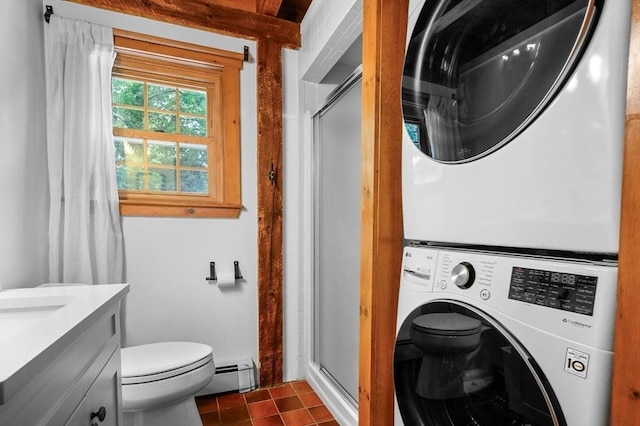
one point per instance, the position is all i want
(136, 208)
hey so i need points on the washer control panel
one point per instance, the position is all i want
(554, 289)
(575, 299)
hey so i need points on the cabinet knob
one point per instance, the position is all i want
(100, 414)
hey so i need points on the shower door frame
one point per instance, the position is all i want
(342, 405)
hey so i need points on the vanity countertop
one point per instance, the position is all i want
(36, 324)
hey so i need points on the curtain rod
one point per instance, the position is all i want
(48, 13)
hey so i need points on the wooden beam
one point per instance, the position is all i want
(381, 240)
(268, 7)
(248, 5)
(270, 303)
(625, 404)
(204, 15)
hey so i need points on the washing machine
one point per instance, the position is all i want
(496, 339)
(514, 122)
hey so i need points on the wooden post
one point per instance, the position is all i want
(270, 211)
(381, 239)
(625, 406)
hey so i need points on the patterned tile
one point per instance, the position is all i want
(301, 387)
(290, 404)
(269, 421)
(299, 417)
(234, 415)
(329, 423)
(207, 404)
(282, 391)
(262, 409)
(310, 399)
(230, 400)
(210, 419)
(320, 413)
(257, 395)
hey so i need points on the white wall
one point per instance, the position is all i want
(24, 188)
(328, 29)
(294, 332)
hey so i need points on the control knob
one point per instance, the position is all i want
(463, 275)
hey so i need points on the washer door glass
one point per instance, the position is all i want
(477, 72)
(482, 378)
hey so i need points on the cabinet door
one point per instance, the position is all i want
(103, 400)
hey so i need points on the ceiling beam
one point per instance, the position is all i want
(268, 7)
(204, 15)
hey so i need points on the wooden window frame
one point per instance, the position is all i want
(217, 71)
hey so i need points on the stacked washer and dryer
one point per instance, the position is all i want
(512, 166)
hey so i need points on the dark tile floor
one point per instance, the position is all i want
(290, 404)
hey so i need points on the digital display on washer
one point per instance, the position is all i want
(558, 290)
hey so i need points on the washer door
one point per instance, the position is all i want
(492, 384)
(477, 72)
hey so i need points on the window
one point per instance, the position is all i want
(176, 128)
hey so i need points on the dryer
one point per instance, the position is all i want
(514, 123)
(492, 339)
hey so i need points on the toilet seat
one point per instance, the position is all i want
(160, 361)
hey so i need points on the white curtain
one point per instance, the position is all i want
(85, 235)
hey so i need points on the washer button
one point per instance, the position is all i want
(485, 294)
(443, 284)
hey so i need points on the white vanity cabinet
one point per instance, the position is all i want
(70, 372)
(101, 404)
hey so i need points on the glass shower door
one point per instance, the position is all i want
(337, 237)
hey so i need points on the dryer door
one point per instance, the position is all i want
(477, 72)
(454, 379)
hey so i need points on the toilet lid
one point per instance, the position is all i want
(449, 324)
(154, 358)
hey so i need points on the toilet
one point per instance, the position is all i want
(159, 381)
(449, 343)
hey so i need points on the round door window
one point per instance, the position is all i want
(455, 366)
(477, 72)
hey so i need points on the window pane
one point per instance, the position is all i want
(162, 122)
(127, 92)
(193, 126)
(126, 118)
(130, 177)
(162, 97)
(129, 150)
(162, 179)
(192, 155)
(119, 150)
(161, 152)
(193, 102)
(194, 181)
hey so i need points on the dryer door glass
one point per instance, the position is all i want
(454, 365)
(477, 72)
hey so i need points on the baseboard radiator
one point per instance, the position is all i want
(232, 376)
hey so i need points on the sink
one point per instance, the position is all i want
(18, 313)
(38, 324)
